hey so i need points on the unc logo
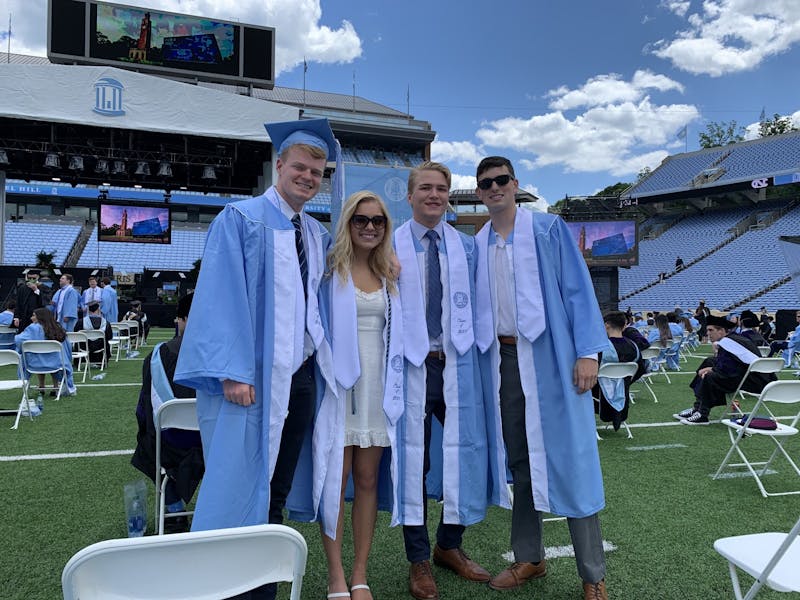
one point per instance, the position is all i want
(394, 189)
(460, 299)
(759, 183)
(108, 97)
(397, 363)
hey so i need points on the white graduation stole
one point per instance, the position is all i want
(412, 296)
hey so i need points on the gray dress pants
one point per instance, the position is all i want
(526, 521)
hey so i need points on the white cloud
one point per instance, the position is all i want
(462, 182)
(299, 32)
(679, 7)
(605, 89)
(461, 153)
(732, 35)
(621, 131)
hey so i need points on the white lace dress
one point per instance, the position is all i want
(365, 423)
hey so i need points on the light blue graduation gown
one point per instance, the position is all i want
(35, 331)
(248, 323)
(108, 306)
(469, 479)
(558, 309)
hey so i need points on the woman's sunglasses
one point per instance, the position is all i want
(361, 221)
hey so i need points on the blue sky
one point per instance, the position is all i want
(579, 94)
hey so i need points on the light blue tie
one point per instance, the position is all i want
(433, 312)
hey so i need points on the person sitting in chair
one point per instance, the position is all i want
(613, 398)
(788, 346)
(721, 374)
(94, 320)
(748, 325)
(137, 314)
(181, 451)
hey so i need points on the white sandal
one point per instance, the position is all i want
(339, 595)
(361, 586)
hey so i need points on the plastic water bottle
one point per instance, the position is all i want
(136, 519)
(135, 495)
(99, 377)
(40, 402)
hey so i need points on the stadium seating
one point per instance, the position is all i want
(746, 265)
(24, 241)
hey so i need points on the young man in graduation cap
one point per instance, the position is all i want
(253, 345)
(721, 374)
(540, 331)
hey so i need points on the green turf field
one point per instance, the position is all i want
(663, 509)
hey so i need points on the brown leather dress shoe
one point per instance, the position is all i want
(595, 591)
(517, 574)
(421, 583)
(462, 565)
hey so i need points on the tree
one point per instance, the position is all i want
(645, 172)
(44, 260)
(614, 190)
(721, 134)
(776, 126)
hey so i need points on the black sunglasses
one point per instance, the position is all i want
(361, 221)
(500, 180)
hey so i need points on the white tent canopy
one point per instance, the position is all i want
(110, 97)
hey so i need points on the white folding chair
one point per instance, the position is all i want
(80, 351)
(656, 358)
(647, 354)
(760, 365)
(617, 371)
(764, 350)
(7, 337)
(134, 331)
(10, 358)
(34, 347)
(772, 558)
(95, 335)
(120, 338)
(200, 565)
(782, 392)
(178, 413)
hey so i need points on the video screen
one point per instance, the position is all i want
(147, 37)
(134, 223)
(606, 243)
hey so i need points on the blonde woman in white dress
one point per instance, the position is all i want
(362, 254)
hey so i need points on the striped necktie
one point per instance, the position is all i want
(301, 251)
(433, 312)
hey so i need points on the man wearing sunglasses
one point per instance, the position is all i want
(437, 281)
(540, 329)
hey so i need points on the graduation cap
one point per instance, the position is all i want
(184, 305)
(749, 319)
(313, 132)
(720, 322)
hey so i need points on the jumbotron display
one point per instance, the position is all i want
(91, 32)
(606, 243)
(134, 223)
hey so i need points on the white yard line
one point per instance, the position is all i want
(552, 552)
(656, 447)
(65, 455)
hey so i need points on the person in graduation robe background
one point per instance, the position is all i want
(540, 329)
(253, 348)
(437, 291)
